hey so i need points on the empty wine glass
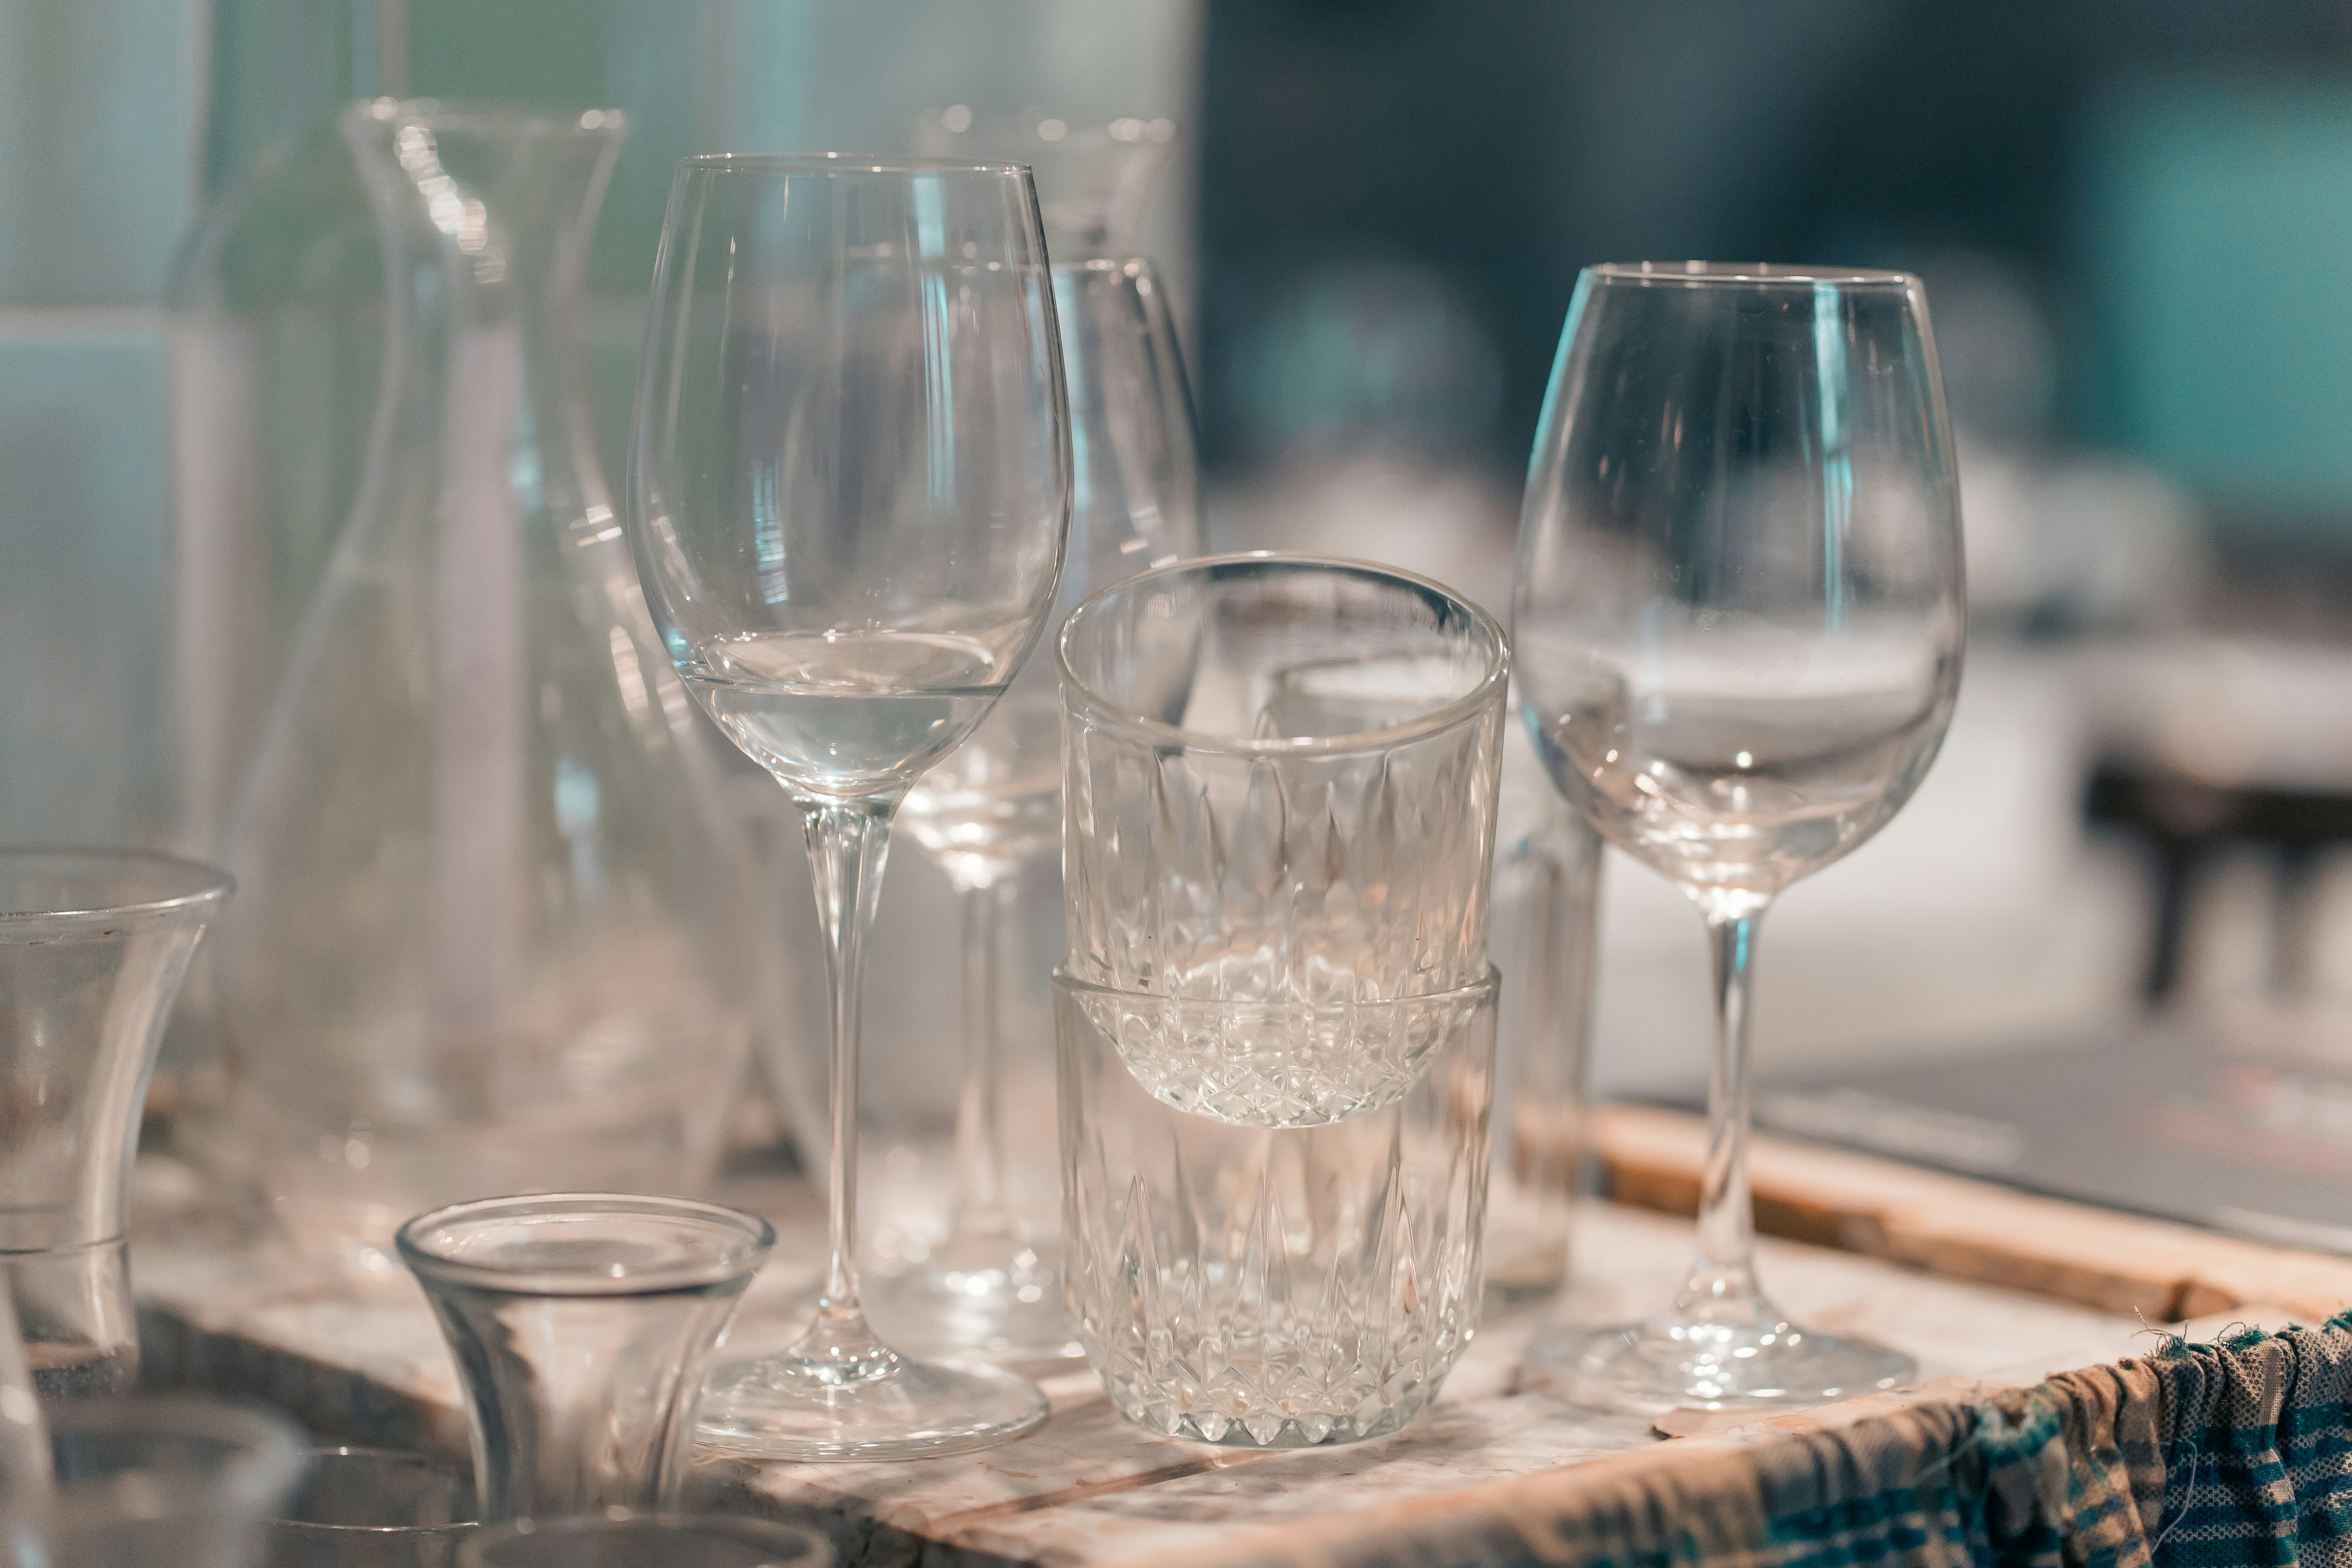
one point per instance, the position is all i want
(993, 807)
(849, 496)
(1739, 626)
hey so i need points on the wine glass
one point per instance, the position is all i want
(849, 496)
(993, 807)
(1739, 626)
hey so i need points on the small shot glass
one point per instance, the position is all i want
(618, 1539)
(581, 1324)
(375, 1507)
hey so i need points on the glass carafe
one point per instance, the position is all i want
(480, 949)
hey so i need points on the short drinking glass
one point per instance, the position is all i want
(141, 1481)
(1276, 1020)
(1739, 626)
(1273, 1284)
(583, 1325)
(1279, 784)
(93, 945)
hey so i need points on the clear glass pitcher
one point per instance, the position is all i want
(482, 946)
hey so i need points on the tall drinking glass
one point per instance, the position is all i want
(1739, 626)
(849, 495)
(993, 807)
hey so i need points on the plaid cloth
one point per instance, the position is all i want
(2232, 1454)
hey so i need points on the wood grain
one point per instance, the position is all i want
(1964, 1229)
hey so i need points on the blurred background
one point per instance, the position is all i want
(2135, 220)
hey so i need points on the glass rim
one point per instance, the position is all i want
(475, 1550)
(1477, 992)
(758, 1237)
(844, 164)
(389, 1459)
(487, 114)
(1751, 274)
(205, 887)
(264, 1456)
(1490, 686)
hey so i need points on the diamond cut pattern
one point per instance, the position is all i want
(1266, 1286)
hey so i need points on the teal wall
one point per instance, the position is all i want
(99, 105)
(2218, 224)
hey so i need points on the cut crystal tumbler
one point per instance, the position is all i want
(1273, 1283)
(581, 1324)
(1280, 781)
(1277, 1024)
(93, 945)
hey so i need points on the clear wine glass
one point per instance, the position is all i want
(849, 495)
(1739, 626)
(993, 807)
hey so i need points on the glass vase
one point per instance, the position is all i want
(93, 945)
(483, 944)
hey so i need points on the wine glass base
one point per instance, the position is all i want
(1674, 1363)
(1007, 1310)
(791, 1407)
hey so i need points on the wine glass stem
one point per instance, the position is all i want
(848, 842)
(979, 1139)
(1725, 1274)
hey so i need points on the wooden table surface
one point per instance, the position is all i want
(2056, 1287)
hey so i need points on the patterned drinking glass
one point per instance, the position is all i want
(1279, 781)
(582, 1324)
(1273, 1283)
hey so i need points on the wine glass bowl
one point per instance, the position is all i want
(1739, 624)
(851, 484)
(850, 498)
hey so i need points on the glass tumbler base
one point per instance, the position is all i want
(791, 1407)
(1004, 1310)
(1674, 1363)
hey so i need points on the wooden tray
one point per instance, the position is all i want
(2020, 1288)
